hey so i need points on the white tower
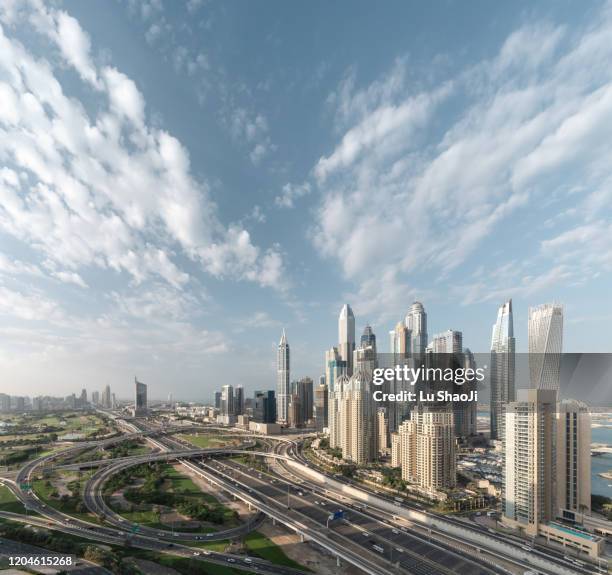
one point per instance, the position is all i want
(545, 344)
(502, 367)
(282, 380)
(346, 336)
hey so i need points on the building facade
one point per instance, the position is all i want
(502, 368)
(282, 380)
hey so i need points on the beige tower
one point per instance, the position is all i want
(436, 459)
(529, 465)
(573, 460)
(358, 435)
(408, 449)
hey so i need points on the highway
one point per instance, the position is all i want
(54, 519)
(380, 537)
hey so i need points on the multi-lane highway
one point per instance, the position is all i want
(380, 537)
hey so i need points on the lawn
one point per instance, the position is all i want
(8, 502)
(182, 486)
(205, 441)
(259, 545)
(190, 566)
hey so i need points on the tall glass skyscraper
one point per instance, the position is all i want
(502, 367)
(346, 336)
(545, 345)
(282, 380)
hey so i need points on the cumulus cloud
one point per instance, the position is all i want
(97, 186)
(290, 193)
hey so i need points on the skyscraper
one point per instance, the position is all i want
(106, 397)
(528, 494)
(295, 411)
(364, 357)
(218, 399)
(426, 449)
(401, 342)
(334, 410)
(264, 410)
(238, 400)
(449, 341)
(465, 413)
(416, 322)
(545, 330)
(573, 467)
(346, 336)
(282, 380)
(140, 399)
(358, 419)
(227, 400)
(368, 338)
(335, 366)
(320, 406)
(502, 368)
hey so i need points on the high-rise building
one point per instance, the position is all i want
(401, 341)
(407, 439)
(305, 391)
(140, 401)
(295, 410)
(227, 400)
(346, 336)
(449, 341)
(436, 459)
(5, 402)
(238, 400)
(334, 410)
(545, 331)
(528, 494)
(465, 413)
(264, 409)
(573, 461)
(358, 425)
(382, 422)
(502, 368)
(83, 397)
(95, 397)
(426, 449)
(106, 397)
(396, 447)
(335, 366)
(416, 322)
(368, 338)
(365, 357)
(320, 407)
(282, 380)
(217, 399)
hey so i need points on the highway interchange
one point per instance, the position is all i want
(379, 537)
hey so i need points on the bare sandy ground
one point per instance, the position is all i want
(308, 554)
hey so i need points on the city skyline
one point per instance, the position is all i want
(168, 222)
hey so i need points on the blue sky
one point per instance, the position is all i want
(180, 181)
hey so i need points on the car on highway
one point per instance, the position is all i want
(231, 560)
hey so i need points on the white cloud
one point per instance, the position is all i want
(290, 193)
(419, 181)
(250, 129)
(104, 188)
(30, 307)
